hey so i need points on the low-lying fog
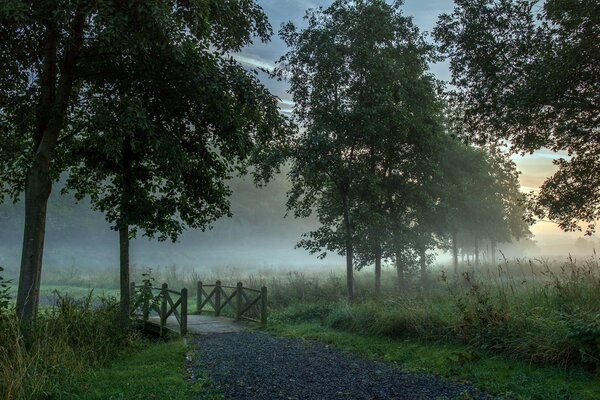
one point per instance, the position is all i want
(257, 235)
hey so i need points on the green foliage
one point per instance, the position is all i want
(528, 72)
(585, 335)
(65, 341)
(371, 119)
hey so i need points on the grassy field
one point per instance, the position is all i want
(526, 329)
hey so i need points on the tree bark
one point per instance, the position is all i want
(378, 271)
(124, 275)
(50, 118)
(455, 253)
(493, 254)
(423, 261)
(476, 252)
(349, 252)
(127, 180)
(37, 192)
(400, 271)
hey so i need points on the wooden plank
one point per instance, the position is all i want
(238, 301)
(228, 300)
(208, 299)
(173, 309)
(183, 322)
(263, 306)
(248, 306)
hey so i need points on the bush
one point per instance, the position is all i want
(585, 336)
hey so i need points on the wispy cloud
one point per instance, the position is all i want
(253, 62)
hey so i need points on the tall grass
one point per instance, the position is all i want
(46, 359)
(537, 310)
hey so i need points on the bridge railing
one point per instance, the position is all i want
(246, 303)
(144, 301)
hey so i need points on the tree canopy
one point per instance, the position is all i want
(529, 73)
(369, 115)
(71, 68)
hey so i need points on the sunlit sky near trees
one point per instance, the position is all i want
(535, 168)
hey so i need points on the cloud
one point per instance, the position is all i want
(253, 62)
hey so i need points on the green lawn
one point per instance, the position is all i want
(496, 374)
(155, 372)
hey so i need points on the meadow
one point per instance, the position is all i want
(523, 328)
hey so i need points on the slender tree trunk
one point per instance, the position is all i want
(400, 271)
(423, 261)
(127, 180)
(493, 255)
(378, 271)
(455, 253)
(349, 250)
(476, 252)
(124, 275)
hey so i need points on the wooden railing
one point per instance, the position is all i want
(144, 301)
(245, 303)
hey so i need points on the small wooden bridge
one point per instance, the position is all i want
(160, 309)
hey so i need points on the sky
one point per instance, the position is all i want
(535, 168)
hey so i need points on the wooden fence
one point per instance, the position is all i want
(241, 300)
(144, 300)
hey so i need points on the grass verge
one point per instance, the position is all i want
(155, 372)
(496, 374)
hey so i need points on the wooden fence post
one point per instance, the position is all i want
(163, 307)
(199, 297)
(217, 298)
(238, 301)
(263, 306)
(184, 300)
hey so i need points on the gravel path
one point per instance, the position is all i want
(256, 365)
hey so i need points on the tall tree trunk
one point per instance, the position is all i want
(423, 261)
(493, 255)
(378, 271)
(127, 180)
(50, 117)
(37, 192)
(477, 252)
(124, 275)
(400, 271)
(455, 253)
(349, 250)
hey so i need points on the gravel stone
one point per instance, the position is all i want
(256, 365)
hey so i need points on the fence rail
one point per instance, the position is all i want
(241, 300)
(163, 304)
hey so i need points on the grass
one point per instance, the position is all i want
(155, 372)
(496, 374)
(524, 329)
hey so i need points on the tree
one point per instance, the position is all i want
(479, 199)
(53, 51)
(530, 74)
(357, 73)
